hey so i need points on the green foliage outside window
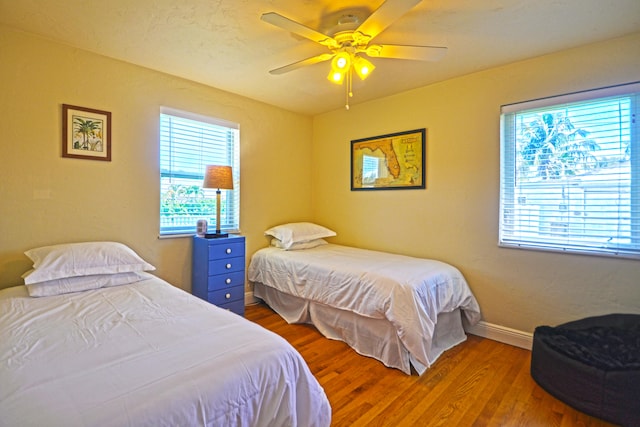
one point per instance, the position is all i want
(186, 200)
(552, 148)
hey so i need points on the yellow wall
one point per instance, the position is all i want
(46, 199)
(456, 218)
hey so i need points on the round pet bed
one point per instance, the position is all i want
(593, 365)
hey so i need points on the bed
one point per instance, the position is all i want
(126, 348)
(401, 310)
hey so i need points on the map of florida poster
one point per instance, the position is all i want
(393, 161)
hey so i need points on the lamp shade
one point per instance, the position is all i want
(219, 177)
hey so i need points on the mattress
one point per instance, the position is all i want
(405, 293)
(146, 354)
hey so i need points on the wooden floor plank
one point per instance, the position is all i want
(477, 383)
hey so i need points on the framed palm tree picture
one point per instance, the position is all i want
(86, 133)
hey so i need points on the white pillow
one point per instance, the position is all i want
(296, 232)
(300, 245)
(84, 283)
(82, 259)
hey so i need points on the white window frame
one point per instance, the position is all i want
(182, 164)
(521, 223)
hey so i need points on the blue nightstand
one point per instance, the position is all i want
(218, 271)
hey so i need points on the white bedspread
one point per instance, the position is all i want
(146, 354)
(408, 291)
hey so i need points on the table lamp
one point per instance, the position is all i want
(218, 177)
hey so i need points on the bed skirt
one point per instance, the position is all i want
(370, 337)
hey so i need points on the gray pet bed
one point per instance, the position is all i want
(593, 365)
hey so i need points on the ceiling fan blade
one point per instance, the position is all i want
(418, 53)
(292, 26)
(308, 61)
(384, 16)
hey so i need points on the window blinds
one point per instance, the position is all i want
(189, 142)
(570, 173)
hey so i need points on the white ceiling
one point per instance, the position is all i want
(224, 44)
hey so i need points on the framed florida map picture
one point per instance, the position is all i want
(86, 133)
(389, 162)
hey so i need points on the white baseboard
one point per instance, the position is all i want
(501, 334)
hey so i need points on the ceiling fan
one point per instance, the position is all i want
(350, 39)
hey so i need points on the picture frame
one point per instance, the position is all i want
(396, 161)
(86, 133)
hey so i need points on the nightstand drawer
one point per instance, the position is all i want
(226, 295)
(223, 281)
(226, 250)
(227, 265)
(235, 306)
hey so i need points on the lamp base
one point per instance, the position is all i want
(215, 235)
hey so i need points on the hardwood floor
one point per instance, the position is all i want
(478, 383)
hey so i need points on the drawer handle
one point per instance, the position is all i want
(228, 281)
(228, 266)
(228, 250)
(227, 296)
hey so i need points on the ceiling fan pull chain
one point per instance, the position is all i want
(351, 82)
(346, 106)
(348, 92)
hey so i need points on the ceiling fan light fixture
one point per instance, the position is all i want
(363, 67)
(350, 37)
(341, 62)
(336, 77)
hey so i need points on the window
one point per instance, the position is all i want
(570, 173)
(189, 142)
